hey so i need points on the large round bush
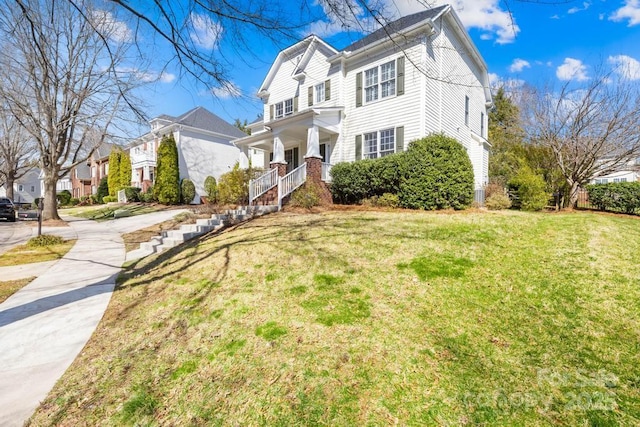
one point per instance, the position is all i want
(437, 174)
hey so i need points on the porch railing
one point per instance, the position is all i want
(291, 181)
(262, 184)
(326, 172)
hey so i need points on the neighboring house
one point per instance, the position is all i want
(80, 180)
(628, 173)
(419, 75)
(204, 148)
(26, 188)
(63, 183)
(99, 165)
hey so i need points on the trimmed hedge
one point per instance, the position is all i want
(616, 196)
(167, 185)
(434, 173)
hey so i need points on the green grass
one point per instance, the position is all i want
(26, 254)
(106, 212)
(372, 318)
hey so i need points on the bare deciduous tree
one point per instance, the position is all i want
(593, 129)
(63, 81)
(17, 155)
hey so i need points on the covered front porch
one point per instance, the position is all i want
(295, 147)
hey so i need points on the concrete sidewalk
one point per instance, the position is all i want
(45, 325)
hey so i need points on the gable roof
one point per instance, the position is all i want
(201, 118)
(103, 151)
(305, 47)
(395, 27)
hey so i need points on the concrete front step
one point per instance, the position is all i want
(172, 238)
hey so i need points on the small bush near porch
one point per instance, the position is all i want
(372, 318)
(434, 173)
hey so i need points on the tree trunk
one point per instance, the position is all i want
(573, 194)
(9, 186)
(50, 210)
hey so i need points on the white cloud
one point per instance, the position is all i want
(626, 66)
(518, 65)
(555, 17)
(577, 9)
(111, 27)
(510, 85)
(572, 69)
(485, 15)
(205, 33)
(228, 90)
(630, 11)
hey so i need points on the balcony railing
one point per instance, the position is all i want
(326, 172)
(291, 181)
(262, 184)
(142, 157)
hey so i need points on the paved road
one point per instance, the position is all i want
(13, 234)
(46, 324)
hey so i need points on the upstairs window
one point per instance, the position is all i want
(466, 111)
(380, 82)
(319, 89)
(283, 108)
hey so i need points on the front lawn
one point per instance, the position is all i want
(372, 318)
(25, 254)
(106, 212)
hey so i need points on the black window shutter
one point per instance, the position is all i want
(359, 89)
(310, 96)
(399, 139)
(358, 147)
(400, 76)
(327, 90)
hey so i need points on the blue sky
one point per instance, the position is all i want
(536, 43)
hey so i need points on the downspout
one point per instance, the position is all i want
(440, 81)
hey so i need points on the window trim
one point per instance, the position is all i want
(318, 93)
(284, 108)
(377, 136)
(466, 110)
(376, 73)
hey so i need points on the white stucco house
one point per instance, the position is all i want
(204, 148)
(26, 188)
(420, 74)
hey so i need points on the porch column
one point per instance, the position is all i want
(313, 157)
(278, 156)
(243, 158)
(313, 143)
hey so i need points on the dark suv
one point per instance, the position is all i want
(7, 210)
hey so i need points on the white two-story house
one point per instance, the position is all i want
(420, 74)
(204, 148)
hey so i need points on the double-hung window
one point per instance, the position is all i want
(319, 89)
(288, 107)
(379, 144)
(283, 108)
(380, 82)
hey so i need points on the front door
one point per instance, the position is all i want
(291, 157)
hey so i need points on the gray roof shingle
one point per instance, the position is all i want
(395, 27)
(201, 118)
